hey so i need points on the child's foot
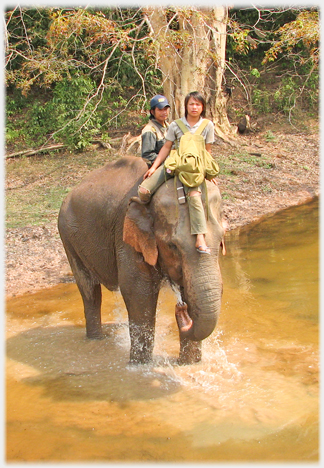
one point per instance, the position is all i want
(144, 194)
(201, 244)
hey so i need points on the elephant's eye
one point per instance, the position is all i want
(172, 246)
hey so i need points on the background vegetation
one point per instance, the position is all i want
(78, 74)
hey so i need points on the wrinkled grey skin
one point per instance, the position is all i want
(121, 244)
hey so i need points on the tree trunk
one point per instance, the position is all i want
(190, 48)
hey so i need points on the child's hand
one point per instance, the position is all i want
(149, 173)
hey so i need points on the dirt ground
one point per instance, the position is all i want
(260, 176)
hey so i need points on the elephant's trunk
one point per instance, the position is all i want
(198, 315)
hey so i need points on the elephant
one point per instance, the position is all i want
(113, 239)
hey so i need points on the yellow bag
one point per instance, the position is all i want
(191, 162)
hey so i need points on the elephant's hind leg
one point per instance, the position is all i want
(90, 290)
(92, 310)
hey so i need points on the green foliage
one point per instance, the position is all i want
(261, 100)
(227, 171)
(15, 102)
(270, 136)
(72, 73)
(40, 184)
(251, 31)
(290, 96)
(301, 36)
(252, 160)
(60, 116)
(255, 72)
(283, 42)
(42, 207)
(312, 90)
(302, 88)
(71, 113)
(93, 65)
(286, 95)
(11, 134)
(226, 196)
(239, 163)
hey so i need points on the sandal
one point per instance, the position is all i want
(200, 250)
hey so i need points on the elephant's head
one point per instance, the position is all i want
(161, 232)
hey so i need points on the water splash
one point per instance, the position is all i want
(176, 290)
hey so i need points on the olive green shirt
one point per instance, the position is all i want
(153, 138)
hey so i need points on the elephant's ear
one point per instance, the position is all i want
(138, 231)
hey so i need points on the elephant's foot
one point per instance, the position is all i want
(93, 325)
(139, 362)
(183, 320)
(95, 336)
(136, 359)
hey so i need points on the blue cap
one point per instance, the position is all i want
(159, 101)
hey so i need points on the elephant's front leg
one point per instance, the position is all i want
(141, 301)
(142, 339)
(190, 351)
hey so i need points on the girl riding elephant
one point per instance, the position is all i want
(163, 169)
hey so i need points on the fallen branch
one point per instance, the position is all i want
(124, 143)
(135, 141)
(31, 152)
(101, 143)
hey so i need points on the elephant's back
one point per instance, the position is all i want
(129, 167)
(107, 188)
(117, 177)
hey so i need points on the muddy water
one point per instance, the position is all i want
(254, 397)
